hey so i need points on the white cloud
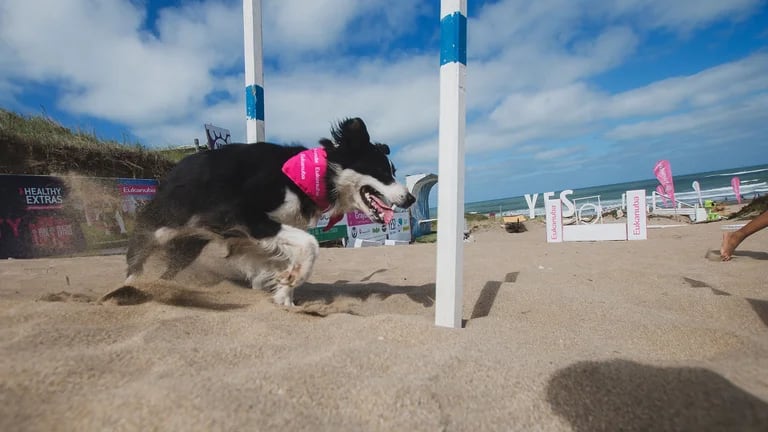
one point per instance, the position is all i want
(558, 153)
(731, 80)
(107, 66)
(679, 15)
(715, 120)
(557, 111)
(300, 26)
(297, 29)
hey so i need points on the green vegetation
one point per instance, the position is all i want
(475, 217)
(40, 145)
(427, 238)
(176, 154)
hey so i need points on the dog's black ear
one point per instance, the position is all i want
(351, 133)
(382, 148)
(327, 144)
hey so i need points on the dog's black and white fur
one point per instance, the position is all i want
(238, 197)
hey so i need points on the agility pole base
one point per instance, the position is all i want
(636, 227)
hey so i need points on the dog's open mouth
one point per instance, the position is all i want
(379, 211)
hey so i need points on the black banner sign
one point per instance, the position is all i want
(43, 216)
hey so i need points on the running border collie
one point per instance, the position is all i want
(257, 200)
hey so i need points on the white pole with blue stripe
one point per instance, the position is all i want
(450, 197)
(254, 71)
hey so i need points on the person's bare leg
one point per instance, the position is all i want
(731, 240)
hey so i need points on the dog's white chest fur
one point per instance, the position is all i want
(289, 212)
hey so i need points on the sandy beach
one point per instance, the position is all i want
(636, 336)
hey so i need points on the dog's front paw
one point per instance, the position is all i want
(283, 296)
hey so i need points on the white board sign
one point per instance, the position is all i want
(637, 222)
(636, 227)
(217, 137)
(595, 232)
(554, 211)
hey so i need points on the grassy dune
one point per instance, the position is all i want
(40, 145)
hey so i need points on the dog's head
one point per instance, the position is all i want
(361, 176)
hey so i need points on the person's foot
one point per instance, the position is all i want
(730, 241)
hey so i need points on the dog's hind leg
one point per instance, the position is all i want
(181, 247)
(140, 247)
(182, 251)
(278, 263)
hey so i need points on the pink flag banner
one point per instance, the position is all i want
(663, 172)
(736, 185)
(660, 191)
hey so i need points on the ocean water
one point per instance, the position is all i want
(715, 185)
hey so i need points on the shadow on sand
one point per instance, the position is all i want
(623, 395)
(167, 293)
(310, 297)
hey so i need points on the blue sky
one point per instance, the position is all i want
(560, 93)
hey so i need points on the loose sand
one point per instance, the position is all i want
(648, 335)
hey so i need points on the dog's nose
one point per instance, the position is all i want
(408, 201)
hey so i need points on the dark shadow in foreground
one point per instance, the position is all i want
(757, 255)
(761, 309)
(486, 299)
(488, 295)
(699, 284)
(714, 255)
(623, 395)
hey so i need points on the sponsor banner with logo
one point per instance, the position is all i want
(37, 217)
(43, 216)
(336, 232)
(554, 209)
(137, 187)
(399, 228)
(356, 225)
(637, 218)
(361, 227)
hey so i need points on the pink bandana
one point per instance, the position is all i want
(307, 169)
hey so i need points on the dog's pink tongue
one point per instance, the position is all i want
(386, 211)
